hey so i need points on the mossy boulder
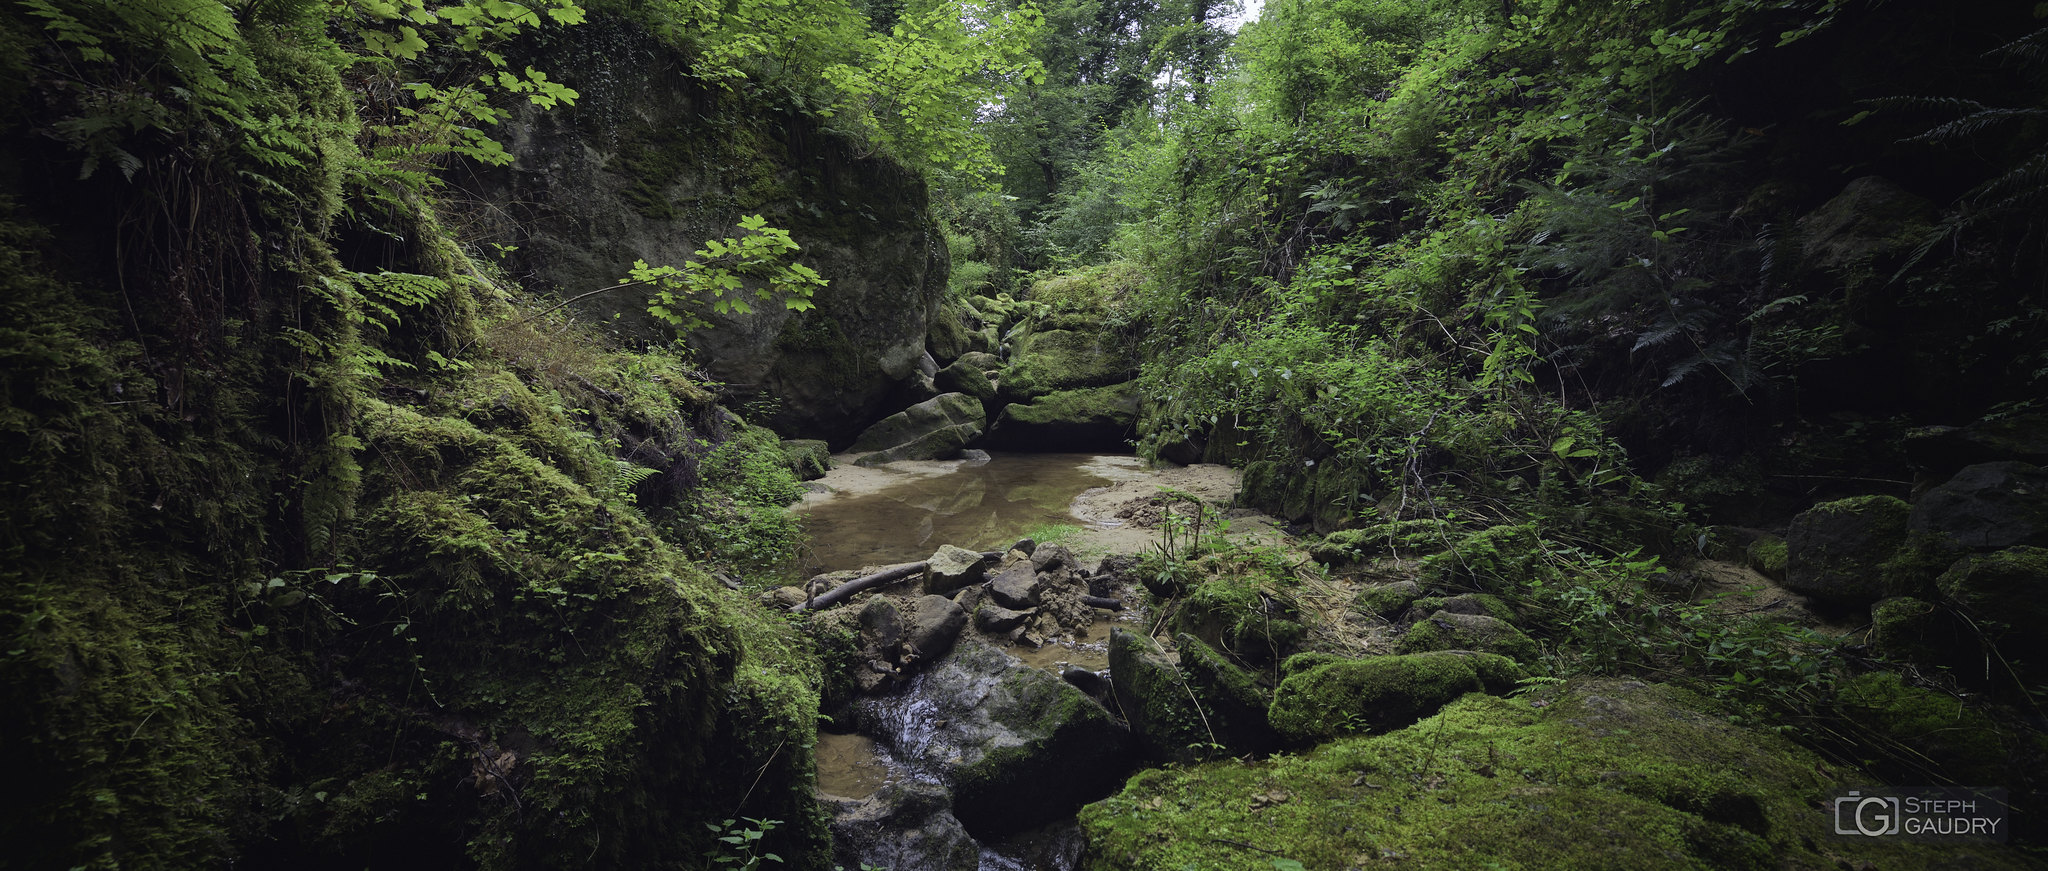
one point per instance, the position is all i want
(1233, 614)
(1834, 550)
(1381, 693)
(1230, 695)
(1386, 601)
(1988, 506)
(1055, 360)
(809, 459)
(935, 429)
(1396, 537)
(961, 376)
(1768, 556)
(1155, 699)
(1907, 629)
(951, 331)
(1603, 774)
(1326, 495)
(1445, 630)
(1967, 745)
(1091, 419)
(2005, 594)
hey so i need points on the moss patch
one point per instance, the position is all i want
(1606, 774)
(1350, 696)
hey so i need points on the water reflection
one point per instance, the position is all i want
(966, 504)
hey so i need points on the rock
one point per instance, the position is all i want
(1234, 615)
(1767, 555)
(1025, 546)
(986, 362)
(810, 459)
(1052, 557)
(1941, 451)
(1381, 693)
(906, 824)
(1386, 601)
(2006, 594)
(1834, 550)
(1860, 238)
(964, 377)
(1482, 604)
(646, 168)
(997, 619)
(935, 429)
(1016, 587)
(1094, 683)
(933, 627)
(1600, 773)
(1235, 705)
(1353, 545)
(1988, 506)
(1019, 746)
(1446, 630)
(881, 626)
(1093, 419)
(783, 597)
(1050, 361)
(1906, 629)
(1155, 700)
(1965, 743)
(952, 568)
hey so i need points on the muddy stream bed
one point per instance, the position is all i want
(860, 517)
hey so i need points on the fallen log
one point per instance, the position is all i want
(1103, 602)
(840, 593)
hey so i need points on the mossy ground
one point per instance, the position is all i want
(1604, 774)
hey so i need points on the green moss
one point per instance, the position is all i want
(1442, 631)
(809, 459)
(1386, 601)
(1767, 555)
(1055, 360)
(1395, 538)
(1349, 696)
(1603, 775)
(1916, 723)
(1231, 614)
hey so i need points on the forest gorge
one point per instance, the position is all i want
(401, 402)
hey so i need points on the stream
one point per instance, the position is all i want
(902, 512)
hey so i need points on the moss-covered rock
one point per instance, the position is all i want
(1233, 614)
(1155, 699)
(1327, 495)
(1606, 774)
(1091, 419)
(935, 429)
(1397, 537)
(1230, 696)
(1445, 630)
(1386, 601)
(961, 376)
(1378, 694)
(809, 459)
(2005, 594)
(1907, 629)
(1054, 360)
(1834, 550)
(1767, 555)
(1921, 723)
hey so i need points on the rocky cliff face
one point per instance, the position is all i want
(650, 163)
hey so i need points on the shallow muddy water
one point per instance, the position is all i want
(904, 511)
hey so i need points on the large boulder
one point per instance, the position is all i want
(1942, 451)
(2005, 594)
(1597, 774)
(1053, 360)
(1381, 693)
(1988, 506)
(1018, 746)
(935, 429)
(1090, 419)
(1835, 550)
(649, 165)
(1016, 587)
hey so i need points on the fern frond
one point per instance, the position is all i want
(1975, 123)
